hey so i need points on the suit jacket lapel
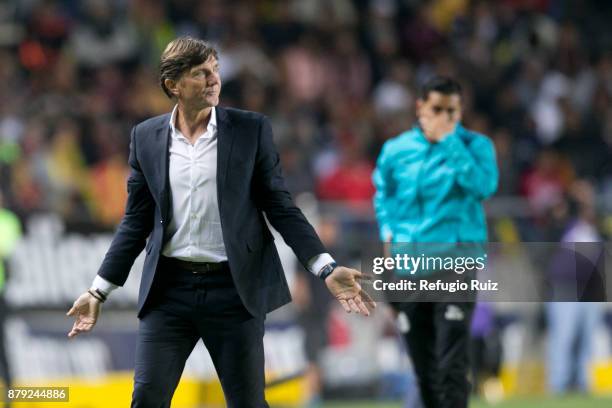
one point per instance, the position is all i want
(225, 141)
(162, 138)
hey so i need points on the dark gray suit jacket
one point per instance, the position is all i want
(249, 183)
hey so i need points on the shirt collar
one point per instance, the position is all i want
(212, 122)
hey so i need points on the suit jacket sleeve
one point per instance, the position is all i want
(272, 197)
(135, 226)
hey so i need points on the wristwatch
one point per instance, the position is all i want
(327, 270)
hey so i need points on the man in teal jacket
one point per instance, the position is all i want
(430, 183)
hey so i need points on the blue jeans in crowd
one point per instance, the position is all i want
(571, 332)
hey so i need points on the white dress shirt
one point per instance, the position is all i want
(195, 228)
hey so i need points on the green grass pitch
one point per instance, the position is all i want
(560, 402)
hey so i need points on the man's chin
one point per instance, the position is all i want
(208, 103)
(212, 101)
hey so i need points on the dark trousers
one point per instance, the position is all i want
(438, 342)
(186, 307)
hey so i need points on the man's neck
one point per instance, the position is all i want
(191, 122)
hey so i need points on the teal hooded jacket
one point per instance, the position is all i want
(433, 192)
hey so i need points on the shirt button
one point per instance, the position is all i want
(161, 221)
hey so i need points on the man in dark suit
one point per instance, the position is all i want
(201, 179)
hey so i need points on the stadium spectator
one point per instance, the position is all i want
(575, 275)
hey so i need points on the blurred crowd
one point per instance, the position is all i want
(337, 78)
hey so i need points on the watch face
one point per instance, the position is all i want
(327, 270)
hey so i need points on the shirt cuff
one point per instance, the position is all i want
(103, 285)
(316, 263)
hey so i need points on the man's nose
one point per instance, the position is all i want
(212, 80)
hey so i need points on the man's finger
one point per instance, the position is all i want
(366, 276)
(71, 311)
(368, 299)
(345, 305)
(353, 306)
(362, 307)
(74, 331)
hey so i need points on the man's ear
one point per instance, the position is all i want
(172, 86)
(460, 112)
(418, 106)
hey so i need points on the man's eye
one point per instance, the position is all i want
(450, 111)
(437, 109)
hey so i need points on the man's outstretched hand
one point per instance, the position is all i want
(343, 283)
(86, 310)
